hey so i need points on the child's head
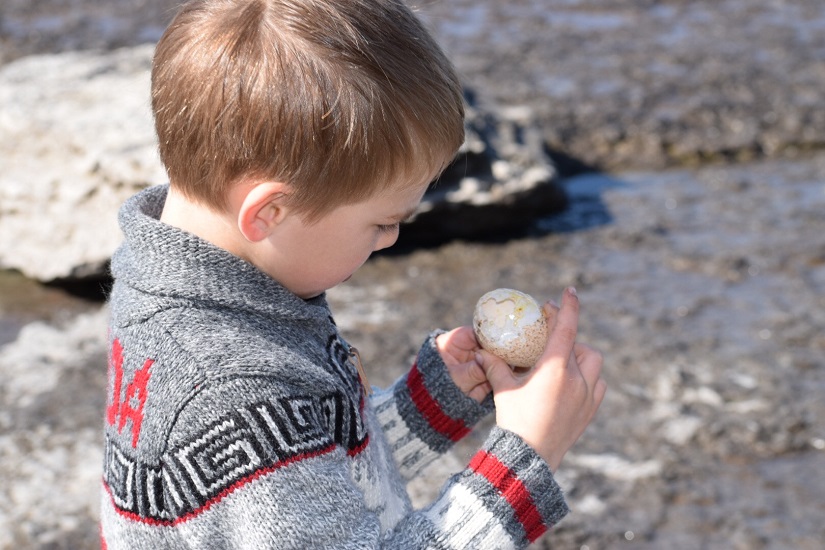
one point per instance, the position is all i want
(336, 98)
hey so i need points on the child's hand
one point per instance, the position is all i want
(551, 405)
(459, 349)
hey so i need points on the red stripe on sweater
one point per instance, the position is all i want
(357, 450)
(229, 490)
(429, 408)
(513, 491)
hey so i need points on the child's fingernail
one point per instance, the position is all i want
(479, 359)
(572, 291)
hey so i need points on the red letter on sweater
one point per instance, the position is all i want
(116, 375)
(135, 391)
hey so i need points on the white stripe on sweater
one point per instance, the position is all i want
(466, 522)
(411, 453)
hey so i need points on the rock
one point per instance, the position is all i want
(704, 288)
(501, 181)
(76, 139)
(629, 86)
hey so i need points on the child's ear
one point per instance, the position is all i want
(263, 207)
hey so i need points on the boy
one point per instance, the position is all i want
(297, 135)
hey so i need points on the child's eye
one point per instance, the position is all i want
(388, 228)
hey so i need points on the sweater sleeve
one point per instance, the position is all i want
(424, 413)
(505, 498)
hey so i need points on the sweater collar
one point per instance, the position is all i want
(162, 260)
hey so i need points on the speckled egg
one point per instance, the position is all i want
(512, 325)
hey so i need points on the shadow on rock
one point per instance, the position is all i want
(585, 209)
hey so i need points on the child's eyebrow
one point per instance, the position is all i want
(404, 216)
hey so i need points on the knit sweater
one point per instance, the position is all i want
(236, 419)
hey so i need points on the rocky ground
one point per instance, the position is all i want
(703, 282)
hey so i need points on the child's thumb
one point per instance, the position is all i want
(498, 372)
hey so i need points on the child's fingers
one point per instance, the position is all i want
(480, 392)
(563, 332)
(589, 361)
(551, 311)
(498, 373)
(590, 366)
(599, 392)
(475, 373)
(461, 339)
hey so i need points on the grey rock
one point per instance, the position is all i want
(633, 85)
(501, 181)
(705, 290)
(75, 140)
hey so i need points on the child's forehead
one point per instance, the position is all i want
(402, 192)
(425, 171)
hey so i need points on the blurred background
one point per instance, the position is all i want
(667, 157)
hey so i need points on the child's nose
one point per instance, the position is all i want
(386, 241)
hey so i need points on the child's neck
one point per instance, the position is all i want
(218, 228)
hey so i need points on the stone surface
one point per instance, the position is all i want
(52, 396)
(705, 290)
(632, 84)
(500, 182)
(75, 141)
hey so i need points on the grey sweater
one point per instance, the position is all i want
(236, 419)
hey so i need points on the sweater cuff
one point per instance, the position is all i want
(508, 474)
(441, 387)
(437, 410)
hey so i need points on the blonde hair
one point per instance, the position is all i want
(340, 99)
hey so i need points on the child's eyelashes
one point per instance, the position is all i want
(392, 228)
